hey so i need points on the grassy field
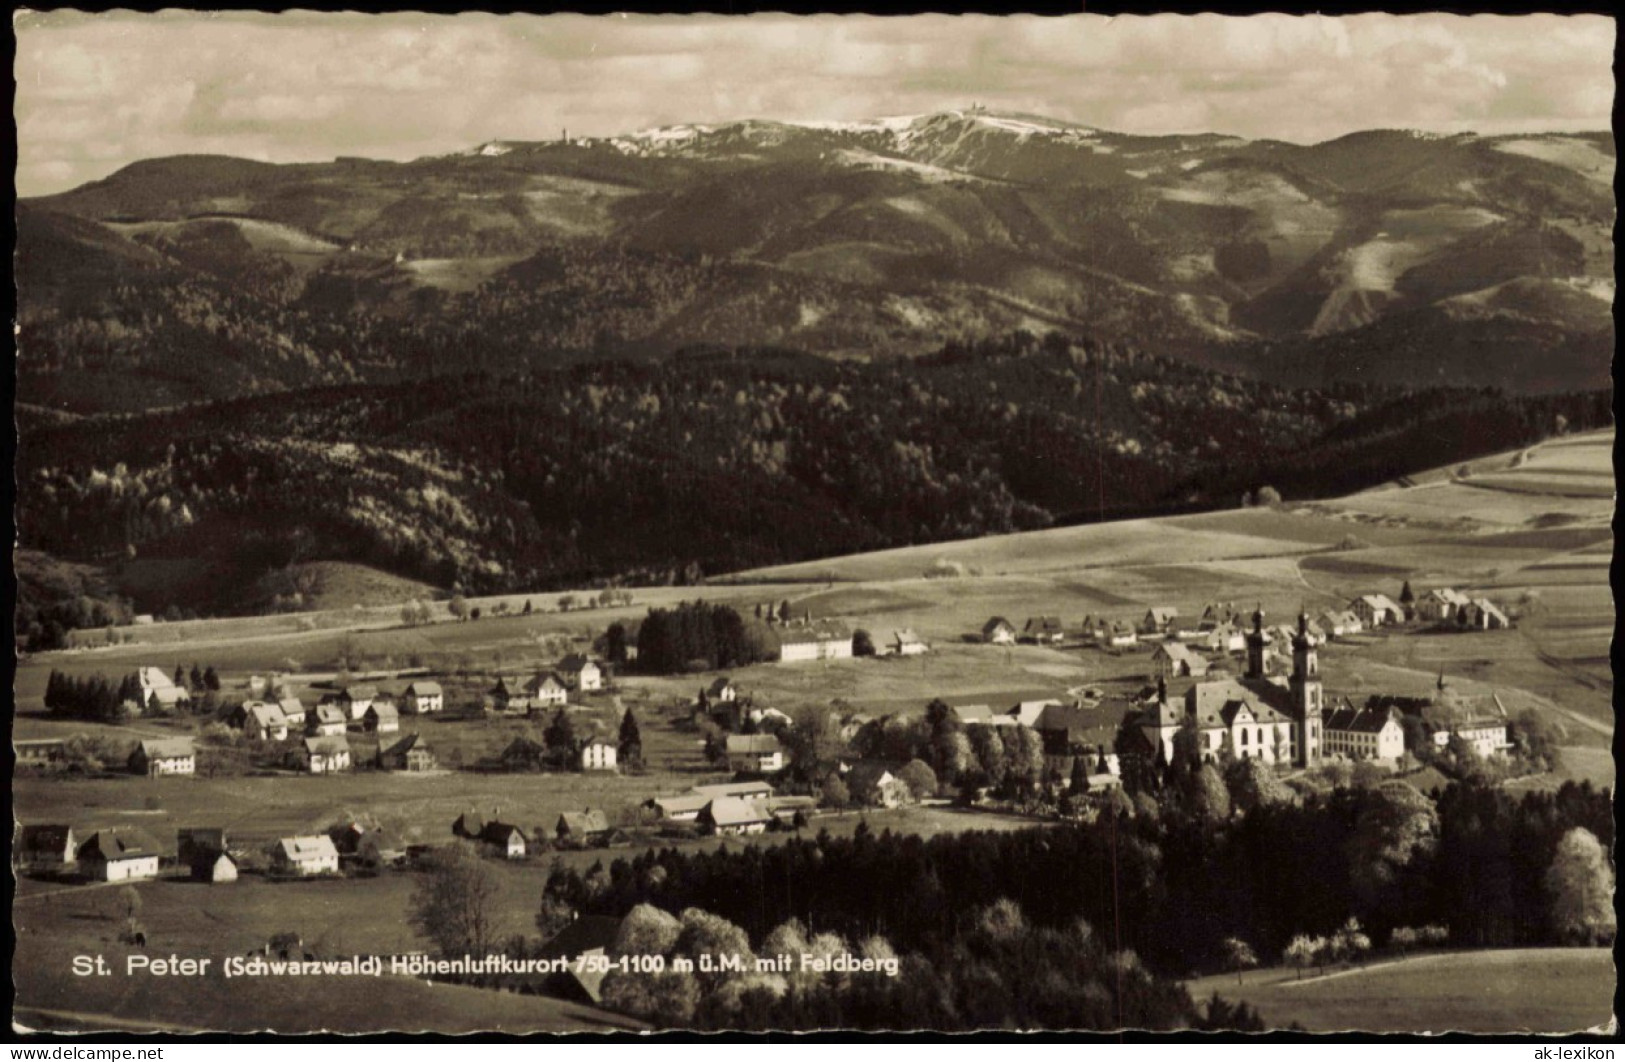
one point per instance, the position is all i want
(50, 998)
(1547, 990)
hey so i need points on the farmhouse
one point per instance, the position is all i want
(1175, 660)
(1159, 619)
(44, 847)
(906, 643)
(821, 640)
(748, 790)
(982, 714)
(164, 756)
(156, 684)
(1026, 713)
(304, 857)
(1441, 605)
(1073, 730)
(217, 868)
(547, 690)
(733, 816)
(507, 697)
(523, 754)
(124, 855)
(754, 753)
(355, 700)
(1043, 630)
(293, 712)
(685, 807)
(598, 755)
(1120, 636)
(582, 827)
(43, 752)
(875, 785)
(192, 842)
(722, 691)
(423, 697)
(1368, 733)
(505, 840)
(381, 717)
(581, 674)
(1487, 736)
(326, 720)
(583, 943)
(262, 722)
(362, 846)
(323, 755)
(1483, 615)
(407, 754)
(999, 631)
(1376, 610)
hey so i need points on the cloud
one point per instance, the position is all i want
(97, 91)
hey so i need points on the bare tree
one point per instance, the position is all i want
(454, 903)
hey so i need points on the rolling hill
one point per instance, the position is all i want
(197, 278)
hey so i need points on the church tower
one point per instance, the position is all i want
(1256, 639)
(1307, 695)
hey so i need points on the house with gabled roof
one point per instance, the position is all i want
(156, 757)
(118, 855)
(355, 700)
(1175, 660)
(323, 755)
(293, 713)
(754, 753)
(1484, 615)
(422, 697)
(381, 717)
(581, 673)
(734, 816)
(156, 684)
(907, 643)
(582, 827)
(408, 754)
(722, 691)
(506, 696)
(1369, 733)
(1158, 619)
(45, 846)
(1120, 636)
(597, 755)
(1043, 630)
(982, 715)
(583, 943)
(1377, 610)
(874, 784)
(260, 721)
(999, 631)
(814, 640)
(546, 689)
(1441, 604)
(326, 720)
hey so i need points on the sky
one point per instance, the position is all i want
(98, 91)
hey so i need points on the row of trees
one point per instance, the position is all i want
(93, 697)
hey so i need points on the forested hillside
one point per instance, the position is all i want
(712, 461)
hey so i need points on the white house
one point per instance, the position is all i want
(1376, 610)
(1175, 660)
(731, 816)
(324, 755)
(754, 753)
(906, 643)
(1485, 616)
(999, 631)
(123, 855)
(381, 717)
(581, 674)
(305, 856)
(1486, 736)
(356, 700)
(547, 690)
(421, 698)
(263, 722)
(155, 682)
(822, 640)
(598, 755)
(1441, 604)
(164, 756)
(1363, 733)
(326, 720)
(1044, 630)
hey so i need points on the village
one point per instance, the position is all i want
(1240, 688)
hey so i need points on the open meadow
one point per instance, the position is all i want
(1539, 990)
